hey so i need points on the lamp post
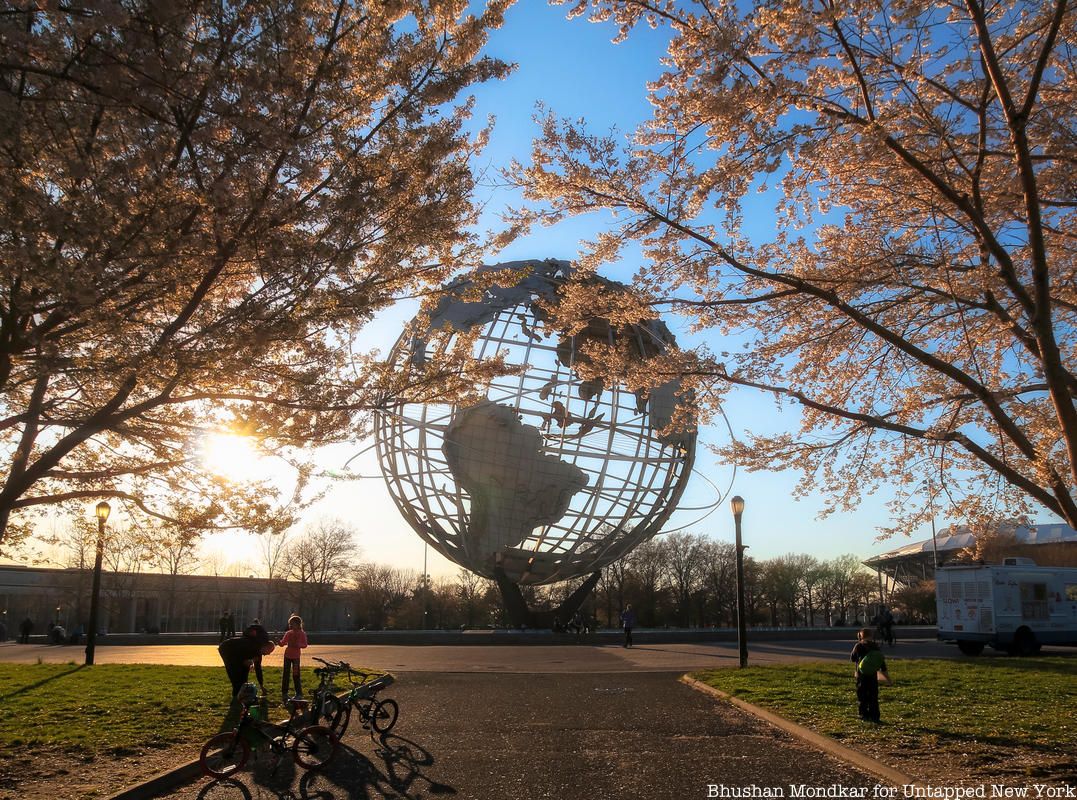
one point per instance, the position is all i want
(929, 487)
(102, 511)
(426, 586)
(737, 504)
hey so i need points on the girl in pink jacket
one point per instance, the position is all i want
(293, 640)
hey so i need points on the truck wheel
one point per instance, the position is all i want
(971, 648)
(1024, 643)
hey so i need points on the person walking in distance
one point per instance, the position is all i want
(25, 627)
(222, 623)
(628, 622)
(293, 641)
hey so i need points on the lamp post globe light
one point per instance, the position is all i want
(737, 504)
(102, 512)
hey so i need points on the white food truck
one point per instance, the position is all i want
(1015, 606)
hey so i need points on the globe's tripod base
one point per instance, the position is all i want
(520, 616)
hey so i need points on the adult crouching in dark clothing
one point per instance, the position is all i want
(240, 653)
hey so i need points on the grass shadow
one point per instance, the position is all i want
(43, 682)
(949, 736)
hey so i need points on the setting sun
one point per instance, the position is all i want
(229, 455)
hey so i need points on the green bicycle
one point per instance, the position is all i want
(376, 714)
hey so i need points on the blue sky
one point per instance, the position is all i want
(576, 71)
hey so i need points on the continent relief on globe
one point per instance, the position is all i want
(514, 486)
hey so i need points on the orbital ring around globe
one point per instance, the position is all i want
(547, 476)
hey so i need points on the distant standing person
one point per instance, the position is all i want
(231, 624)
(239, 654)
(886, 625)
(869, 663)
(25, 627)
(628, 622)
(293, 641)
(222, 623)
(577, 623)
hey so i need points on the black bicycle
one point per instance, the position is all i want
(311, 746)
(379, 715)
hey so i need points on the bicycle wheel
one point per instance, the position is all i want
(383, 715)
(314, 747)
(224, 754)
(335, 714)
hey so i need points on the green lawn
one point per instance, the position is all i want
(110, 708)
(991, 704)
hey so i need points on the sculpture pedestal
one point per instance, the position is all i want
(520, 616)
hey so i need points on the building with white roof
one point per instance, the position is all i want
(915, 562)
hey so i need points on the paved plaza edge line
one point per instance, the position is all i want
(824, 743)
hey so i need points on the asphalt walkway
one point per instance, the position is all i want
(582, 736)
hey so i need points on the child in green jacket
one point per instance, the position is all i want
(870, 663)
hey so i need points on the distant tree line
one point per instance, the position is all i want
(681, 580)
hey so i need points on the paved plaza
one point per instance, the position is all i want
(569, 721)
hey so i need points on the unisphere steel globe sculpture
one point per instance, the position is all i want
(548, 477)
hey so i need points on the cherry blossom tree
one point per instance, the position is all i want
(916, 294)
(202, 202)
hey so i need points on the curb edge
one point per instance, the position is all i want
(161, 782)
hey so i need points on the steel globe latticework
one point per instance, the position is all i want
(550, 477)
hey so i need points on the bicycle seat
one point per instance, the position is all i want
(296, 706)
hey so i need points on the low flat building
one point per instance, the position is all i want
(153, 602)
